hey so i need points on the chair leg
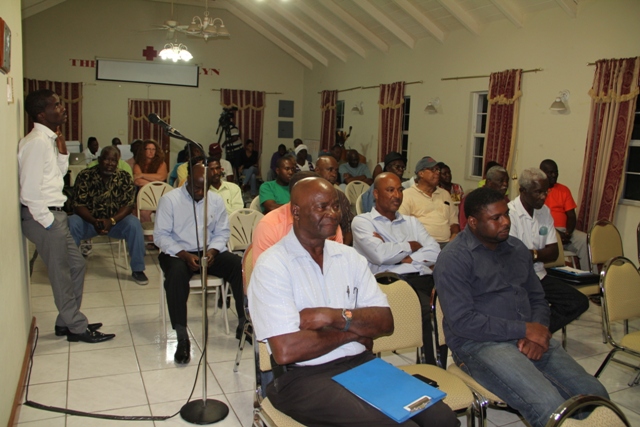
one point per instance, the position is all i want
(605, 362)
(225, 314)
(635, 381)
(564, 337)
(243, 340)
(163, 307)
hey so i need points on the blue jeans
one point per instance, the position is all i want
(535, 388)
(249, 177)
(128, 229)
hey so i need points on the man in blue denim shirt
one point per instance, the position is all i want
(496, 318)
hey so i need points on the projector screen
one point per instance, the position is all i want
(147, 72)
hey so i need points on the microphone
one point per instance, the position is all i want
(153, 118)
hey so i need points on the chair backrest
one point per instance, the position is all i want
(149, 195)
(354, 189)
(242, 223)
(620, 286)
(638, 241)
(604, 242)
(559, 262)
(264, 360)
(407, 316)
(247, 267)
(359, 205)
(255, 204)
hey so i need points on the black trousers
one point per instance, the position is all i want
(565, 301)
(423, 285)
(311, 397)
(176, 282)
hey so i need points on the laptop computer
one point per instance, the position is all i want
(76, 159)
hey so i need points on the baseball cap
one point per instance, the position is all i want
(215, 149)
(426, 162)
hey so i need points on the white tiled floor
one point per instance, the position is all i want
(134, 374)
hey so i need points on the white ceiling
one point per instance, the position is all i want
(318, 31)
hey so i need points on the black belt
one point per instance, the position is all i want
(409, 274)
(51, 208)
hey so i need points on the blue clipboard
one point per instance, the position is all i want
(394, 392)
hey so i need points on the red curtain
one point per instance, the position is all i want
(502, 121)
(390, 121)
(141, 128)
(71, 96)
(328, 101)
(613, 99)
(250, 115)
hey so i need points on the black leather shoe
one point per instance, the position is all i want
(89, 336)
(61, 331)
(183, 352)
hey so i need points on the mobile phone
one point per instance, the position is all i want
(432, 383)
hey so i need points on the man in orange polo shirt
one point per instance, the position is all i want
(563, 211)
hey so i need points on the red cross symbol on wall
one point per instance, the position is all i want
(149, 53)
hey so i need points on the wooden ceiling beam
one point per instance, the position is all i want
(356, 25)
(306, 29)
(464, 17)
(266, 33)
(330, 27)
(569, 6)
(386, 22)
(428, 24)
(511, 11)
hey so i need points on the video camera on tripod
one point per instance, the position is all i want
(232, 143)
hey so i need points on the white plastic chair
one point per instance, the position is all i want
(242, 223)
(255, 204)
(147, 200)
(353, 190)
(214, 283)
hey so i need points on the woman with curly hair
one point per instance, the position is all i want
(150, 165)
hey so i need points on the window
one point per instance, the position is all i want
(478, 130)
(339, 115)
(406, 108)
(632, 178)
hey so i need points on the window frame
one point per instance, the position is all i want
(340, 114)
(634, 143)
(473, 135)
(406, 113)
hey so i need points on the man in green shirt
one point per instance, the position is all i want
(274, 194)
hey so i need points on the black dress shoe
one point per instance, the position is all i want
(89, 336)
(63, 330)
(183, 352)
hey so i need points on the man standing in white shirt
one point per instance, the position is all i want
(43, 161)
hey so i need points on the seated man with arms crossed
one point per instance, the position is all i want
(276, 224)
(496, 318)
(393, 242)
(531, 222)
(319, 307)
(103, 199)
(353, 170)
(274, 194)
(563, 210)
(180, 254)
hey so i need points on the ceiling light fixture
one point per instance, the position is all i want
(176, 52)
(206, 27)
(560, 103)
(432, 106)
(357, 109)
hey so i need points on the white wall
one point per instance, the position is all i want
(550, 40)
(89, 29)
(15, 315)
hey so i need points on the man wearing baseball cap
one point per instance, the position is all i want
(430, 204)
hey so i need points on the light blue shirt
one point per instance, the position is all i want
(386, 255)
(175, 227)
(287, 280)
(361, 169)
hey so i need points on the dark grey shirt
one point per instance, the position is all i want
(487, 295)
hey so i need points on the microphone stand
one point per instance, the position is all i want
(202, 411)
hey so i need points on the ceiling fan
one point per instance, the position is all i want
(170, 26)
